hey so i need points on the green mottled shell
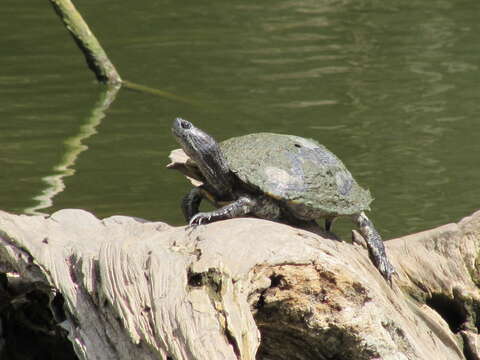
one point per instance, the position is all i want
(301, 172)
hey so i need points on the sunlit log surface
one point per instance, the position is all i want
(125, 288)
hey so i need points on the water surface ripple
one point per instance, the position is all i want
(391, 87)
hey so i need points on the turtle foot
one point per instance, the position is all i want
(386, 269)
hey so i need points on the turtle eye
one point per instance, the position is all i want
(185, 124)
(298, 145)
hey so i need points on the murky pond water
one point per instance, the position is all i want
(391, 87)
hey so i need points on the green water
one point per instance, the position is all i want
(391, 87)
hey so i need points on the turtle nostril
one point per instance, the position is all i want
(298, 145)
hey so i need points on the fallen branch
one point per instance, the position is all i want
(95, 56)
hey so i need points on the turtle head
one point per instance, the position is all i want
(206, 153)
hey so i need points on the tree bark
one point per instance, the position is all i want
(126, 288)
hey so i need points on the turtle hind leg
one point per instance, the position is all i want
(191, 203)
(376, 248)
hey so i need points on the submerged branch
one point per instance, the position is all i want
(162, 93)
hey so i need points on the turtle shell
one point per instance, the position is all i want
(300, 172)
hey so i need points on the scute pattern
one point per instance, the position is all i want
(299, 171)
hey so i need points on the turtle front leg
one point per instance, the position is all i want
(329, 223)
(375, 245)
(243, 206)
(191, 203)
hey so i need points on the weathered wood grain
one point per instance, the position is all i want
(247, 289)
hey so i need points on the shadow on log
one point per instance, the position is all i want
(123, 288)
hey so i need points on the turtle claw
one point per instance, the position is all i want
(199, 219)
(387, 271)
(192, 224)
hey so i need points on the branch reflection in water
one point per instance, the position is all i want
(73, 148)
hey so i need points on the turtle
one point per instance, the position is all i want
(278, 177)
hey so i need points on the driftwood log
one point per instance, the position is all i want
(125, 288)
